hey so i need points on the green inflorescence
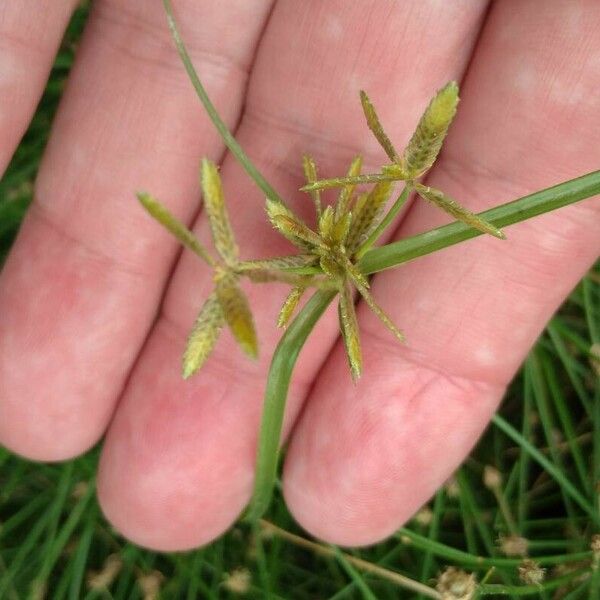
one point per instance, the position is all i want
(330, 251)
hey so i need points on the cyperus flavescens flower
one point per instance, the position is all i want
(329, 252)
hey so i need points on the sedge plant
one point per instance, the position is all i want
(545, 443)
(335, 255)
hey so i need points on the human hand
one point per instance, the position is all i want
(95, 303)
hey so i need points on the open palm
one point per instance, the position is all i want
(96, 300)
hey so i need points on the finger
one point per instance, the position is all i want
(83, 283)
(28, 45)
(178, 462)
(527, 120)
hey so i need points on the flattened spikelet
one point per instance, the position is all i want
(203, 336)
(214, 201)
(297, 229)
(366, 213)
(341, 228)
(275, 210)
(349, 329)
(310, 173)
(330, 267)
(279, 262)
(236, 311)
(426, 142)
(289, 306)
(354, 273)
(174, 226)
(376, 127)
(336, 182)
(272, 275)
(453, 208)
(345, 196)
(326, 222)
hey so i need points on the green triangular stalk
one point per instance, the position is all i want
(278, 382)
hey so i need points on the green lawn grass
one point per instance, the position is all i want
(544, 445)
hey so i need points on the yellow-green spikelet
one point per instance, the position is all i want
(204, 336)
(236, 311)
(349, 329)
(218, 218)
(365, 214)
(426, 142)
(289, 306)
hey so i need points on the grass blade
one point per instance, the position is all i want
(552, 470)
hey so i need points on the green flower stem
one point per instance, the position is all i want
(519, 210)
(389, 217)
(278, 382)
(214, 116)
(375, 260)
